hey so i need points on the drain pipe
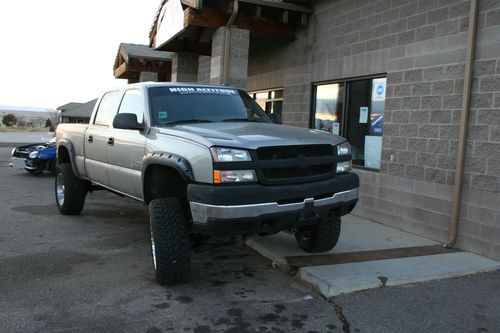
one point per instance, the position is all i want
(227, 43)
(464, 120)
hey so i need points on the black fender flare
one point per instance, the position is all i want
(71, 152)
(178, 163)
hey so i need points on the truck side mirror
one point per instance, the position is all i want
(127, 121)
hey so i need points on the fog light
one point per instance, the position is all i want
(344, 166)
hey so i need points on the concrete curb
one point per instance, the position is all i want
(362, 235)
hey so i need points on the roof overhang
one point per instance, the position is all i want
(132, 59)
(187, 25)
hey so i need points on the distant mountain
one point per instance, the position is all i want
(14, 108)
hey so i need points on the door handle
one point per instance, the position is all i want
(111, 141)
(90, 139)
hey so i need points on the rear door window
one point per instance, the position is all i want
(108, 108)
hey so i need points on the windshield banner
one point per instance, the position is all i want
(202, 90)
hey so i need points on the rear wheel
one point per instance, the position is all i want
(70, 191)
(170, 244)
(319, 237)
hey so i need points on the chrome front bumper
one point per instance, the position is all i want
(201, 213)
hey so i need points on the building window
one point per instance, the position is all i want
(270, 101)
(353, 109)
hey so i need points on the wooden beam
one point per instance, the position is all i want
(281, 5)
(209, 18)
(120, 70)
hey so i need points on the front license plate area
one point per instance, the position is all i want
(18, 163)
(309, 213)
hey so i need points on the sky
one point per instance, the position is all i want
(57, 51)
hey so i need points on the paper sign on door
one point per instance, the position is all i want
(363, 115)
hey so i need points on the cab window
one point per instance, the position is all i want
(133, 102)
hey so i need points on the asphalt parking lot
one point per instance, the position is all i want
(93, 273)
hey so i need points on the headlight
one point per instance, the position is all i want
(344, 166)
(13, 151)
(220, 154)
(234, 176)
(344, 149)
(34, 154)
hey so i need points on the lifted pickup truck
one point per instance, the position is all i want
(207, 160)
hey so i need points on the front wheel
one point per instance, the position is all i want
(170, 244)
(70, 191)
(319, 237)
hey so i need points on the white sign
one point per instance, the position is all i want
(335, 128)
(378, 92)
(373, 151)
(363, 115)
(170, 22)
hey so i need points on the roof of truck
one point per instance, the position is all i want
(177, 84)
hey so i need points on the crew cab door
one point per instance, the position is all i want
(126, 153)
(96, 138)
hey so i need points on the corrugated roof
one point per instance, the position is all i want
(82, 111)
(141, 52)
(68, 106)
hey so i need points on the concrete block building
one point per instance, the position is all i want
(413, 84)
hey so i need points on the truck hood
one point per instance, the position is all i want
(250, 135)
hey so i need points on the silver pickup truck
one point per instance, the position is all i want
(206, 160)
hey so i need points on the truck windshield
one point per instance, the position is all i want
(177, 105)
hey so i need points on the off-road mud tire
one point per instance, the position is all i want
(75, 190)
(320, 237)
(170, 244)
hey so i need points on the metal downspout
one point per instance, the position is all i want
(464, 121)
(227, 42)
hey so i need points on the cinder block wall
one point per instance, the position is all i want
(420, 44)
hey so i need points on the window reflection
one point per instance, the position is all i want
(270, 101)
(328, 107)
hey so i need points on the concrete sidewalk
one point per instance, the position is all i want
(361, 238)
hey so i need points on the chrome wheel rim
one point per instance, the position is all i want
(153, 250)
(60, 189)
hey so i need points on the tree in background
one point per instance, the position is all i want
(9, 120)
(48, 123)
